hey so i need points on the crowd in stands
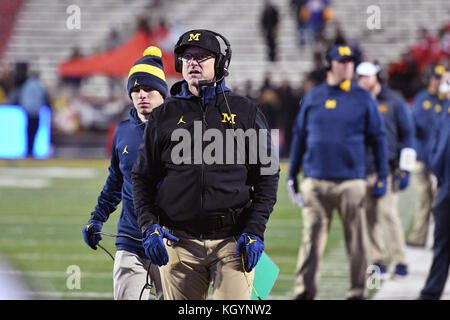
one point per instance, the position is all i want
(72, 111)
(406, 75)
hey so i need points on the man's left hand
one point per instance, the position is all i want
(380, 188)
(252, 247)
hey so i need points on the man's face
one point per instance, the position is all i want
(198, 64)
(343, 69)
(367, 82)
(145, 99)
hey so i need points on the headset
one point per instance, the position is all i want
(222, 60)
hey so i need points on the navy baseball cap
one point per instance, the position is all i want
(340, 52)
(201, 38)
(437, 70)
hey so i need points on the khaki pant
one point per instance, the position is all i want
(422, 216)
(321, 197)
(194, 264)
(130, 275)
(383, 212)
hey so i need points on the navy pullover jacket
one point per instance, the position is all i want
(331, 132)
(426, 113)
(398, 123)
(118, 187)
(439, 157)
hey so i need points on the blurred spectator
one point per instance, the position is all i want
(318, 74)
(4, 84)
(404, 76)
(318, 13)
(144, 24)
(290, 104)
(269, 23)
(426, 50)
(339, 36)
(270, 103)
(249, 91)
(298, 7)
(32, 97)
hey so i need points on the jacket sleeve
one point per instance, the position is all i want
(376, 137)
(111, 195)
(440, 152)
(298, 145)
(264, 180)
(145, 176)
(418, 119)
(405, 125)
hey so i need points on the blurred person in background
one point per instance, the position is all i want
(338, 120)
(439, 161)
(147, 88)
(32, 96)
(269, 25)
(427, 110)
(382, 213)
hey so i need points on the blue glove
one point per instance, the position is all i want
(251, 247)
(403, 179)
(89, 231)
(154, 246)
(380, 187)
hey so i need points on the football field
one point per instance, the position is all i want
(45, 204)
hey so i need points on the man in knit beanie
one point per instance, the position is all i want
(147, 88)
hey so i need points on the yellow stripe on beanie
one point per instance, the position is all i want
(148, 69)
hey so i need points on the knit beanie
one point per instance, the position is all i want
(149, 71)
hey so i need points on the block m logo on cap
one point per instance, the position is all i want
(194, 37)
(344, 51)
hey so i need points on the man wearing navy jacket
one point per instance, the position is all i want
(337, 121)
(439, 160)
(383, 212)
(427, 110)
(147, 88)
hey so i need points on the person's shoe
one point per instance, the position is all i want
(304, 296)
(401, 270)
(378, 269)
(415, 245)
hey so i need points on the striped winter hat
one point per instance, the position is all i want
(149, 71)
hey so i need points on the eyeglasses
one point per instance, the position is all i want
(199, 57)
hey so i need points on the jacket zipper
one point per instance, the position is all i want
(204, 125)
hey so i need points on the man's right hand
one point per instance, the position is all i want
(90, 235)
(292, 190)
(154, 246)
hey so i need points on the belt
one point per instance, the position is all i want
(211, 226)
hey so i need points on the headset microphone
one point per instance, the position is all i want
(207, 83)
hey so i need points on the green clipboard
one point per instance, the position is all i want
(266, 273)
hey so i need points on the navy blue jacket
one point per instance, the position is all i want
(398, 123)
(439, 158)
(426, 113)
(331, 132)
(118, 186)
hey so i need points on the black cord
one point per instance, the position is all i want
(148, 284)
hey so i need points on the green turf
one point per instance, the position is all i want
(40, 234)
